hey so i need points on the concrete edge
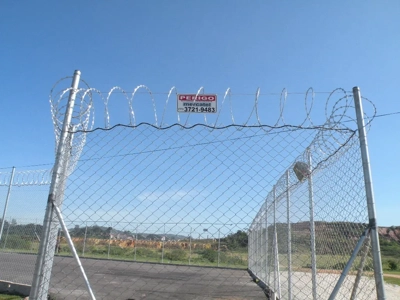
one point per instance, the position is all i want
(14, 288)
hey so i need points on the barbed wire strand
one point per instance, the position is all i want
(51, 164)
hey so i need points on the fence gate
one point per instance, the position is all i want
(167, 208)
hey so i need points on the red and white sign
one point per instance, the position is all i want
(192, 103)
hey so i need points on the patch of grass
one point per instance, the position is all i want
(237, 258)
(10, 297)
(206, 257)
(176, 255)
(392, 280)
(392, 272)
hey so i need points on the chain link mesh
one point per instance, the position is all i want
(187, 194)
(313, 222)
(26, 192)
(184, 211)
(173, 196)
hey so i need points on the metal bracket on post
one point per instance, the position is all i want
(376, 253)
(44, 261)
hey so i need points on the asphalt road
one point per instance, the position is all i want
(129, 280)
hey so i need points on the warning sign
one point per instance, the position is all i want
(192, 103)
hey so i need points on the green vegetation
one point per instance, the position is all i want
(390, 264)
(206, 257)
(389, 248)
(236, 241)
(202, 252)
(391, 280)
(229, 251)
(390, 251)
(176, 255)
(393, 265)
(4, 296)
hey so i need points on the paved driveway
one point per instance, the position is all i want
(128, 280)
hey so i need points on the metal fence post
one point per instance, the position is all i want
(219, 244)
(190, 245)
(109, 243)
(59, 236)
(5, 240)
(84, 241)
(263, 245)
(253, 249)
(135, 245)
(312, 227)
(376, 252)
(254, 245)
(44, 261)
(277, 275)
(162, 250)
(267, 277)
(256, 248)
(3, 219)
(289, 233)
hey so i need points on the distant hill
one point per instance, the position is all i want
(105, 233)
(330, 237)
(328, 234)
(390, 233)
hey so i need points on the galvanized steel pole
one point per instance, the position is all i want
(190, 245)
(84, 241)
(109, 243)
(219, 244)
(3, 219)
(312, 227)
(44, 261)
(134, 255)
(277, 274)
(5, 240)
(267, 277)
(376, 252)
(289, 233)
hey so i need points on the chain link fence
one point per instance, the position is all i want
(309, 225)
(23, 195)
(176, 196)
(168, 210)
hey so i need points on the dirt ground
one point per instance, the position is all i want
(392, 275)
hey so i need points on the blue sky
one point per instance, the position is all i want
(188, 44)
